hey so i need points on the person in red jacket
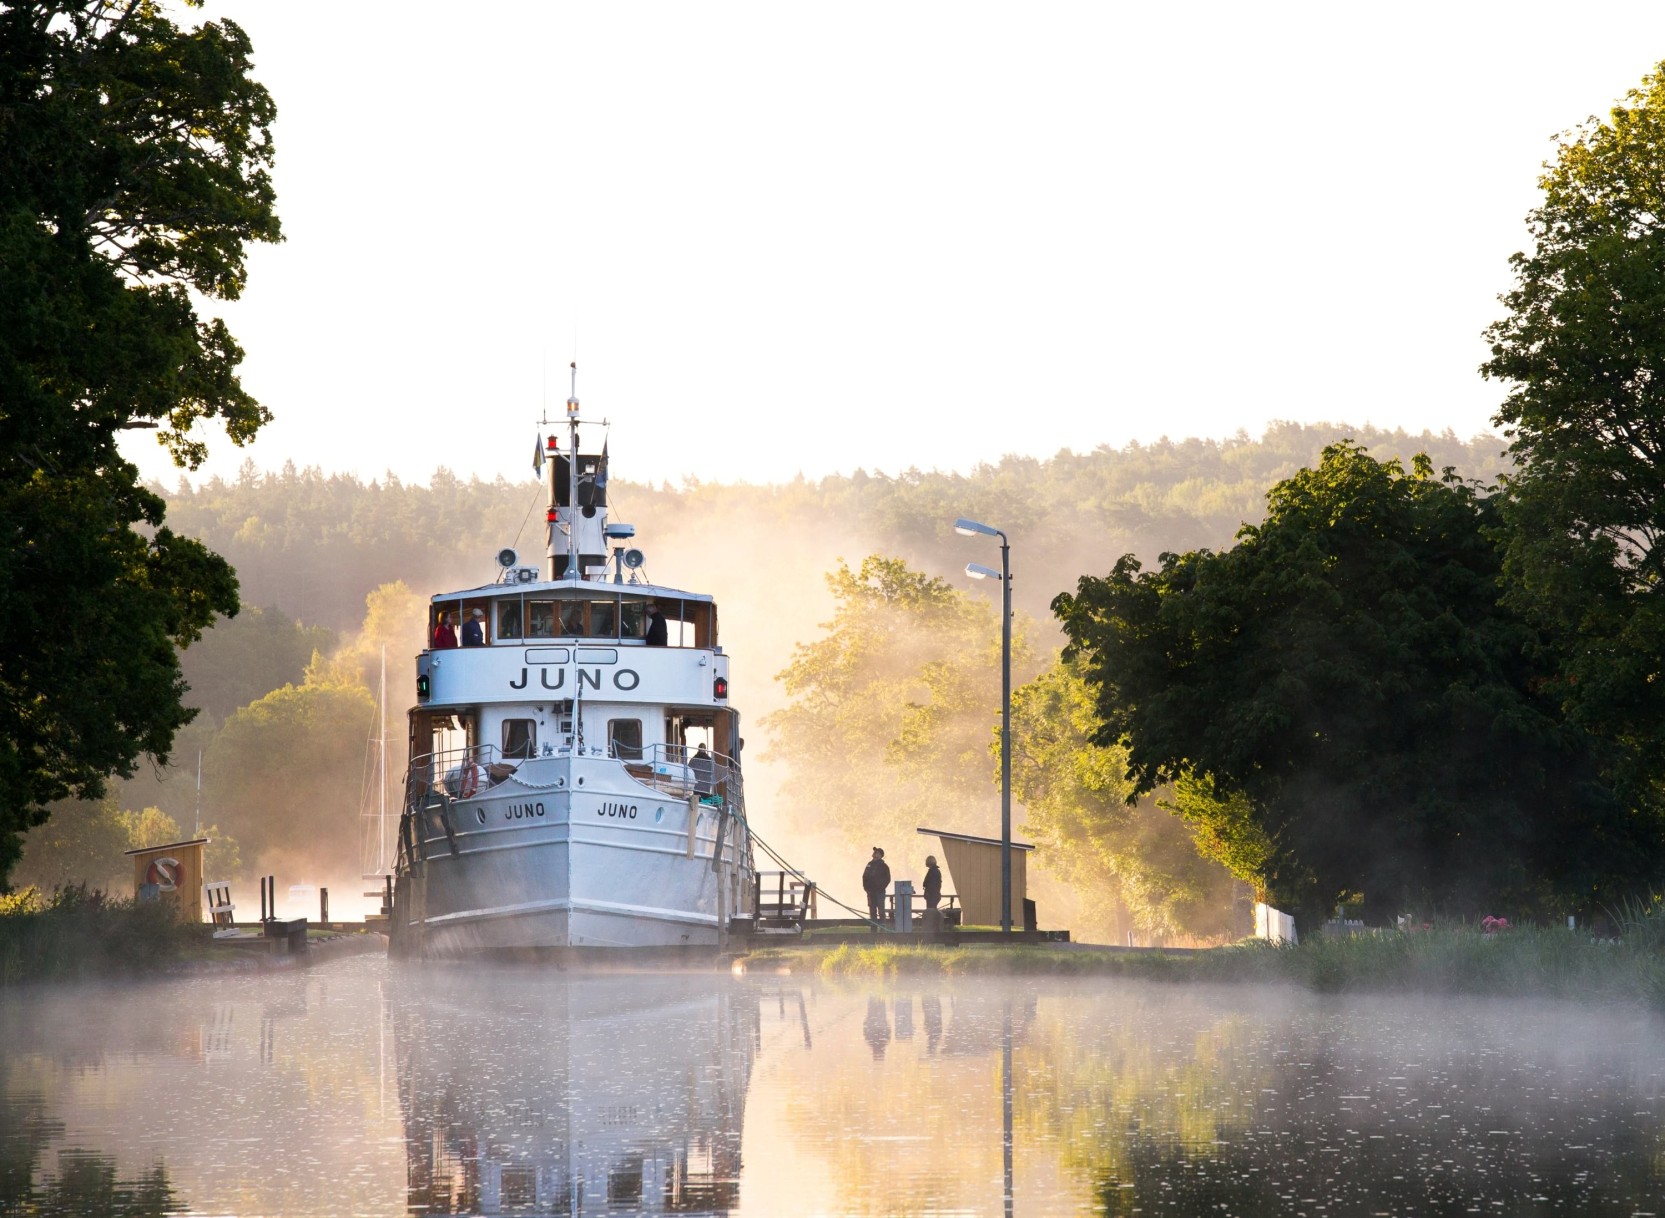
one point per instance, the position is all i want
(445, 634)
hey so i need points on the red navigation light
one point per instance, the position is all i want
(550, 515)
(719, 688)
(552, 445)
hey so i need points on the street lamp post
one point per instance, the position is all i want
(970, 528)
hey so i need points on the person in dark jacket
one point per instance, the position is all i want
(658, 634)
(875, 879)
(933, 882)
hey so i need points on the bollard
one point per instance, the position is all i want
(904, 906)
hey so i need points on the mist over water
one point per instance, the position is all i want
(360, 1087)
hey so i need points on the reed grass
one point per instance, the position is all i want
(83, 933)
(1521, 962)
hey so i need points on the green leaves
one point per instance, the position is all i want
(1582, 349)
(133, 170)
(1343, 696)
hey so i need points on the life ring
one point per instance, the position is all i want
(164, 873)
(469, 782)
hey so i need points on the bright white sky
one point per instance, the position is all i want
(815, 237)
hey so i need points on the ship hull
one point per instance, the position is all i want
(570, 853)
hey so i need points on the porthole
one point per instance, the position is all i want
(658, 815)
(480, 815)
(580, 780)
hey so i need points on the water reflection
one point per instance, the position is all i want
(363, 1089)
(527, 1093)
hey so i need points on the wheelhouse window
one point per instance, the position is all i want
(540, 619)
(572, 619)
(624, 739)
(520, 738)
(604, 620)
(508, 619)
(633, 620)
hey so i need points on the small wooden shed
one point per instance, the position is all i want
(973, 865)
(176, 870)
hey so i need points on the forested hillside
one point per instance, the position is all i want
(314, 544)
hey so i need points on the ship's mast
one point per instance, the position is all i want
(572, 476)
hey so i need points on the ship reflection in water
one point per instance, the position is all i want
(527, 1093)
(362, 1088)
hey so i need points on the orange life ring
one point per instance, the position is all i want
(164, 873)
(469, 783)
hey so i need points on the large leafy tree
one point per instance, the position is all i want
(1583, 351)
(1354, 707)
(133, 171)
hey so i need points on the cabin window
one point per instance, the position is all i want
(633, 620)
(520, 738)
(604, 620)
(624, 739)
(572, 619)
(540, 618)
(508, 619)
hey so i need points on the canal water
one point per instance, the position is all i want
(363, 1087)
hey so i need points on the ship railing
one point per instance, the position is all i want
(681, 770)
(460, 773)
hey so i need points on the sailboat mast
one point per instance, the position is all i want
(381, 767)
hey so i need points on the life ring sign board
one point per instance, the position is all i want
(173, 872)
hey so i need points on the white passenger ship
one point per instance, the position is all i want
(574, 777)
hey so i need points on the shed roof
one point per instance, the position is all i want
(966, 837)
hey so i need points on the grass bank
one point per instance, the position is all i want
(77, 933)
(1451, 960)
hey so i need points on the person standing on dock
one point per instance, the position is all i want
(875, 879)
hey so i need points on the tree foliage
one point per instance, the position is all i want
(133, 169)
(1348, 671)
(899, 695)
(1118, 853)
(1583, 351)
(284, 774)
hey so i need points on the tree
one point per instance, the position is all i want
(133, 170)
(246, 657)
(1112, 850)
(1347, 677)
(284, 772)
(899, 695)
(81, 844)
(1583, 351)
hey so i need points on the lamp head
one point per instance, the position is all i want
(977, 571)
(970, 528)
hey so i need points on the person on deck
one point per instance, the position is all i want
(445, 634)
(703, 769)
(875, 879)
(658, 634)
(474, 634)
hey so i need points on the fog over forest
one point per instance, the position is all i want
(321, 559)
